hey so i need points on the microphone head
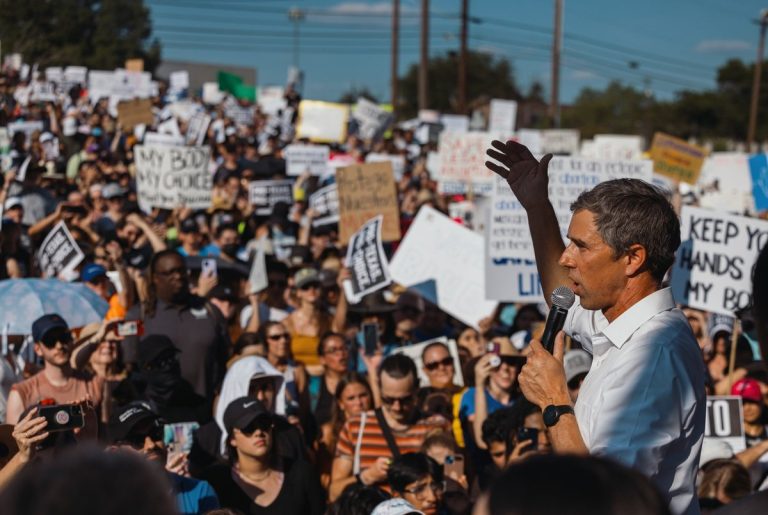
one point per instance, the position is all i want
(563, 297)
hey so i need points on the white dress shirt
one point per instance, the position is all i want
(643, 402)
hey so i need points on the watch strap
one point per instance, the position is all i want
(552, 413)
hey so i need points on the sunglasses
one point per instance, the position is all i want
(50, 340)
(167, 273)
(310, 286)
(336, 350)
(408, 399)
(276, 337)
(512, 361)
(446, 362)
(136, 439)
(262, 423)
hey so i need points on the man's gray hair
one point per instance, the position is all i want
(629, 212)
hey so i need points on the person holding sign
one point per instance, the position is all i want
(643, 401)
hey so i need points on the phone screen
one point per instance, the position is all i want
(208, 267)
(370, 338)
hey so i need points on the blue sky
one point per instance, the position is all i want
(661, 45)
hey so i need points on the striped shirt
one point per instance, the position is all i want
(374, 445)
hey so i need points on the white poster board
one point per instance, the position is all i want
(617, 147)
(300, 159)
(725, 183)
(503, 115)
(322, 122)
(443, 262)
(713, 265)
(170, 177)
(463, 157)
(560, 141)
(455, 122)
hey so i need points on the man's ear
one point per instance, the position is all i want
(38, 349)
(636, 259)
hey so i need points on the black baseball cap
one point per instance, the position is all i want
(242, 411)
(152, 346)
(189, 225)
(223, 292)
(45, 323)
(127, 417)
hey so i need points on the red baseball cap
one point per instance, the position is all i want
(748, 389)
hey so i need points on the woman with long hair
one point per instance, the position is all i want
(279, 355)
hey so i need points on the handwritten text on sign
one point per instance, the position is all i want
(364, 192)
(170, 177)
(568, 177)
(714, 262)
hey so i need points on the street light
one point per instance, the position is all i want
(763, 22)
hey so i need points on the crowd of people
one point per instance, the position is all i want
(220, 400)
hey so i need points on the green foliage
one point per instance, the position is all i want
(99, 34)
(487, 77)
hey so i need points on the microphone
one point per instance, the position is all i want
(562, 299)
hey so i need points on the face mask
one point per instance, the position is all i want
(507, 315)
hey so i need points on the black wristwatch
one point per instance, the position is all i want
(553, 413)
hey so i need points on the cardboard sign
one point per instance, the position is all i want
(758, 170)
(300, 159)
(134, 65)
(322, 122)
(366, 259)
(443, 262)
(135, 112)
(677, 159)
(714, 262)
(560, 141)
(59, 252)
(171, 177)
(372, 119)
(724, 421)
(367, 190)
(509, 236)
(325, 203)
(417, 349)
(265, 194)
(197, 128)
(503, 115)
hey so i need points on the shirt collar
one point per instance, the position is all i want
(621, 329)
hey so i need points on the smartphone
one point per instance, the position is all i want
(454, 465)
(76, 210)
(131, 328)
(495, 349)
(528, 433)
(208, 267)
(370, 338)
(62, 417)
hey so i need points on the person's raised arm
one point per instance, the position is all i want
(529, 179)
(155, 241)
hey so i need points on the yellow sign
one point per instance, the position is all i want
(677, 159)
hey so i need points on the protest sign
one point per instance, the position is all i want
(179, 80)
(155, 138)
(429, 116)
(398, 162)
(169, 126)
(212, 95)
(372, 119)
(616, 147)
(197, 128)
(443, 262)
(257, 278)
(101, 83)
(532, 139)
(366, 259)
(26, 127)
(463, 157)
(264, 195)
(676, 159)
(724, 421)
(59, 252)
(134, 112)
(560, 141)
(271, 99)
(714, 262)
(173, 176)
(455, 122)
(300, 159)
(367, 190)
(502, 116)
(758, 169)
(21, 174)
(54, 74)
(325, 203)
(241, 115)
(512, 280)
(75, 75)
(725, 183)
(43, 92)
(415, 351)
(322, 122)
(509, 236)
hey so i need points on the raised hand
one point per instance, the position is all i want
(527, 177)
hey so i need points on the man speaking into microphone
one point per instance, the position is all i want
(643, 401)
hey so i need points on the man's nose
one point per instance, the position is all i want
(566, 258)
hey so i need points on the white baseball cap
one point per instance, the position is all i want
(396, 506)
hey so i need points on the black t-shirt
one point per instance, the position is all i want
(324, 406)
(754, 440)
(301, 491)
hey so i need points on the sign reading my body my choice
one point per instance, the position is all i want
(169, 177)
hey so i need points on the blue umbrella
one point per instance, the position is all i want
(22, 301)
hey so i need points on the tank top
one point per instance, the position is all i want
(37, 387)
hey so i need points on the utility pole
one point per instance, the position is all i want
(463, 58)
(756, 80)
(424, 64)
(395, 41)
(296, 15)
(557, 43)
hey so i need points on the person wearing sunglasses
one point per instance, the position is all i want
(138, 429)
(439, 367)
(279, 355)
(257, 479)
(57, 380)
(418, 479)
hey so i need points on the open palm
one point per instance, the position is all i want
(527, 177)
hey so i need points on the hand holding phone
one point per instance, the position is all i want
(208, 267)
(62, 417)
(130, 328)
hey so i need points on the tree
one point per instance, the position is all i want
(99, 34)
(487, 77)
(350, 96)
